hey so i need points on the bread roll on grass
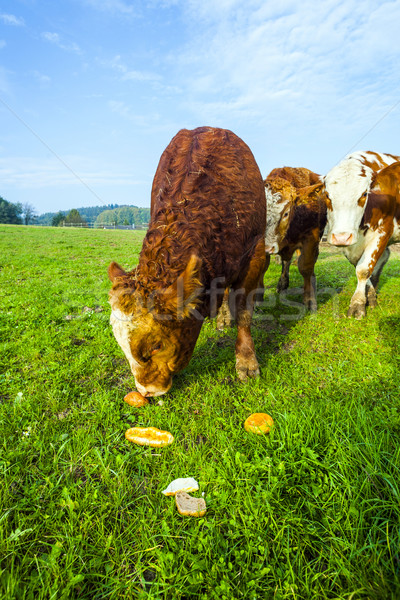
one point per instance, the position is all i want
(135, 399)
(149, 436)
(190, 507)
(259, 423)
(185, 484)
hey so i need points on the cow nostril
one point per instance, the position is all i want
(342, 239)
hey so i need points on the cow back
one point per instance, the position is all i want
(298, 177)
(208, 200)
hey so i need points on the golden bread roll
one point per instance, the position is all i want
(259, 423)
(189, 506)
(149, 436)
(136, 399)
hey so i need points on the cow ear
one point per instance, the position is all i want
(115, 271)
(182, 298)
(309, 193)
(315, 190)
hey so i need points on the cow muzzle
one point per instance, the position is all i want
(152, 390)
(341, 239)
(272, 249)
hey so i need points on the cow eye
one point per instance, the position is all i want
(156, 348)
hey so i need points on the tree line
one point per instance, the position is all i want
(123, 215)
(111, 214)
(16, 214)
(87, 213)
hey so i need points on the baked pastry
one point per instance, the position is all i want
(149, 436)
(189, 506)
(259, 423)
(184, 484)
(135, 399)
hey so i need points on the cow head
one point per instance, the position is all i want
(156, 330)
(279, 195)
(347, 186)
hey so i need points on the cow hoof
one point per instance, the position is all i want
(282, 285)
(223, 321)
(258, 299)
(357, 311)
(246, 368)
(221, 325)
(311, 305)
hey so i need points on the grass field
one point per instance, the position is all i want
(311, 511)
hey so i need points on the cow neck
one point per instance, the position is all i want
(305, 218)
(166, 250)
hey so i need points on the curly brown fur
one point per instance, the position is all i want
(299, 177)
(207, 221)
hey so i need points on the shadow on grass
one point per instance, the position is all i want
(272, 321)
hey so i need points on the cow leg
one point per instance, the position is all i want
(259, 296)
(370, 259)
(372, 283)
(246, 360)
(283, 282)
(306, 262)
(224, 317)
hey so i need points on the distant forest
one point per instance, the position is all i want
(124, 215)
(111, 213)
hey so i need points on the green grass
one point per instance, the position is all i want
(311, 511)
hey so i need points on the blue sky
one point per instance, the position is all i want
(92, 91)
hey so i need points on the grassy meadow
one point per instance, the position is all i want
(311, 511)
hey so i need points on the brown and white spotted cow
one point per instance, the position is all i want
(379, 227)
(206, 230)
(352, 222)
(296, 218)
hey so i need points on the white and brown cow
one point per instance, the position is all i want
(346, 188)
(379, 227)
(296, 218)
(360, 221)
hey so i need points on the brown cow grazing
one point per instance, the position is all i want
(296, 218)
(206, 230)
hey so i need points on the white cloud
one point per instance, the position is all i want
(12, 20)
(41, 78)
(127, 74)
(128, 112)
(292, 61)
(54, 38)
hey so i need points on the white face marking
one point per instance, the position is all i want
(345, 184)
(274, 214)
(122, 327)
(150, 390)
